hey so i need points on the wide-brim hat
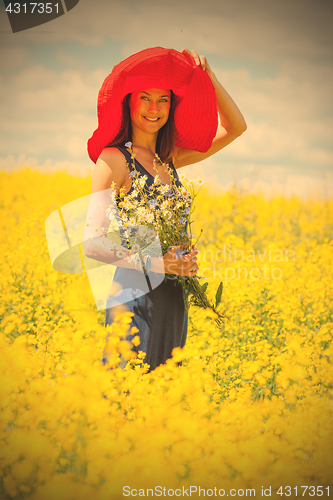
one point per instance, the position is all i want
(195, 115)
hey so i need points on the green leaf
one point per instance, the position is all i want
(218, 295)
(204, 287)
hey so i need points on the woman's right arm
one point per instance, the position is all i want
(110, 169)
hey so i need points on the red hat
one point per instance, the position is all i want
(195, 114)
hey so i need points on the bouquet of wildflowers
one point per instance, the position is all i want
(154, 219)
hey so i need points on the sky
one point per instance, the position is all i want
(275, 59)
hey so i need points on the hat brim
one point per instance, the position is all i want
(195, 115)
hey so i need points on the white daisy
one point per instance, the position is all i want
(151, 233)
(142, 231)
(132, 221)
(142, 181)
(164, 205)
(121, 253)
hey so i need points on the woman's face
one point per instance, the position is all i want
(149, 109)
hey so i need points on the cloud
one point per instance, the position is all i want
(288, 117)
(22, 162)
(49, 110)
(13, 57)
(57, 111)
(43, 109)
(259, 30)
(39, 88)
(75, 144)
(64, 58)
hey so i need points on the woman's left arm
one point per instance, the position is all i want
(231, 121)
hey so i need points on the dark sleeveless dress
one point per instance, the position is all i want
(159, 314)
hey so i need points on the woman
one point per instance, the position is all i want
(165, 102)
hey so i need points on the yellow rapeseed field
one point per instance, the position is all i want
(250, 410)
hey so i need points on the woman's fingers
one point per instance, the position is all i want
(199, 60)
(181, 264)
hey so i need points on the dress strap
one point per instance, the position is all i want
(127, 155)
(175, 173)
(173, 167)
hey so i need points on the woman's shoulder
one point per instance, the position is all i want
(114, 157)
(111, 152)
(111, 166)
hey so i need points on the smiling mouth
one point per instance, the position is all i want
(151, 119)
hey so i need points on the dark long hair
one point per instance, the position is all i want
(166, 135)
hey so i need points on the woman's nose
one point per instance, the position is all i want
(153, 106)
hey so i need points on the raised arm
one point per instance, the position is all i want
(231, 121)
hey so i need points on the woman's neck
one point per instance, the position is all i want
(144, 141)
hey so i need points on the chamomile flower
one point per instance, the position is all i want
(110, 212)
(185, 193)
(165, 188)
(127, 205)
(142, 181)
(121, 253)
(135, 247)
(142, 232)
(141, 211)
(166, 214)
(131, 221)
